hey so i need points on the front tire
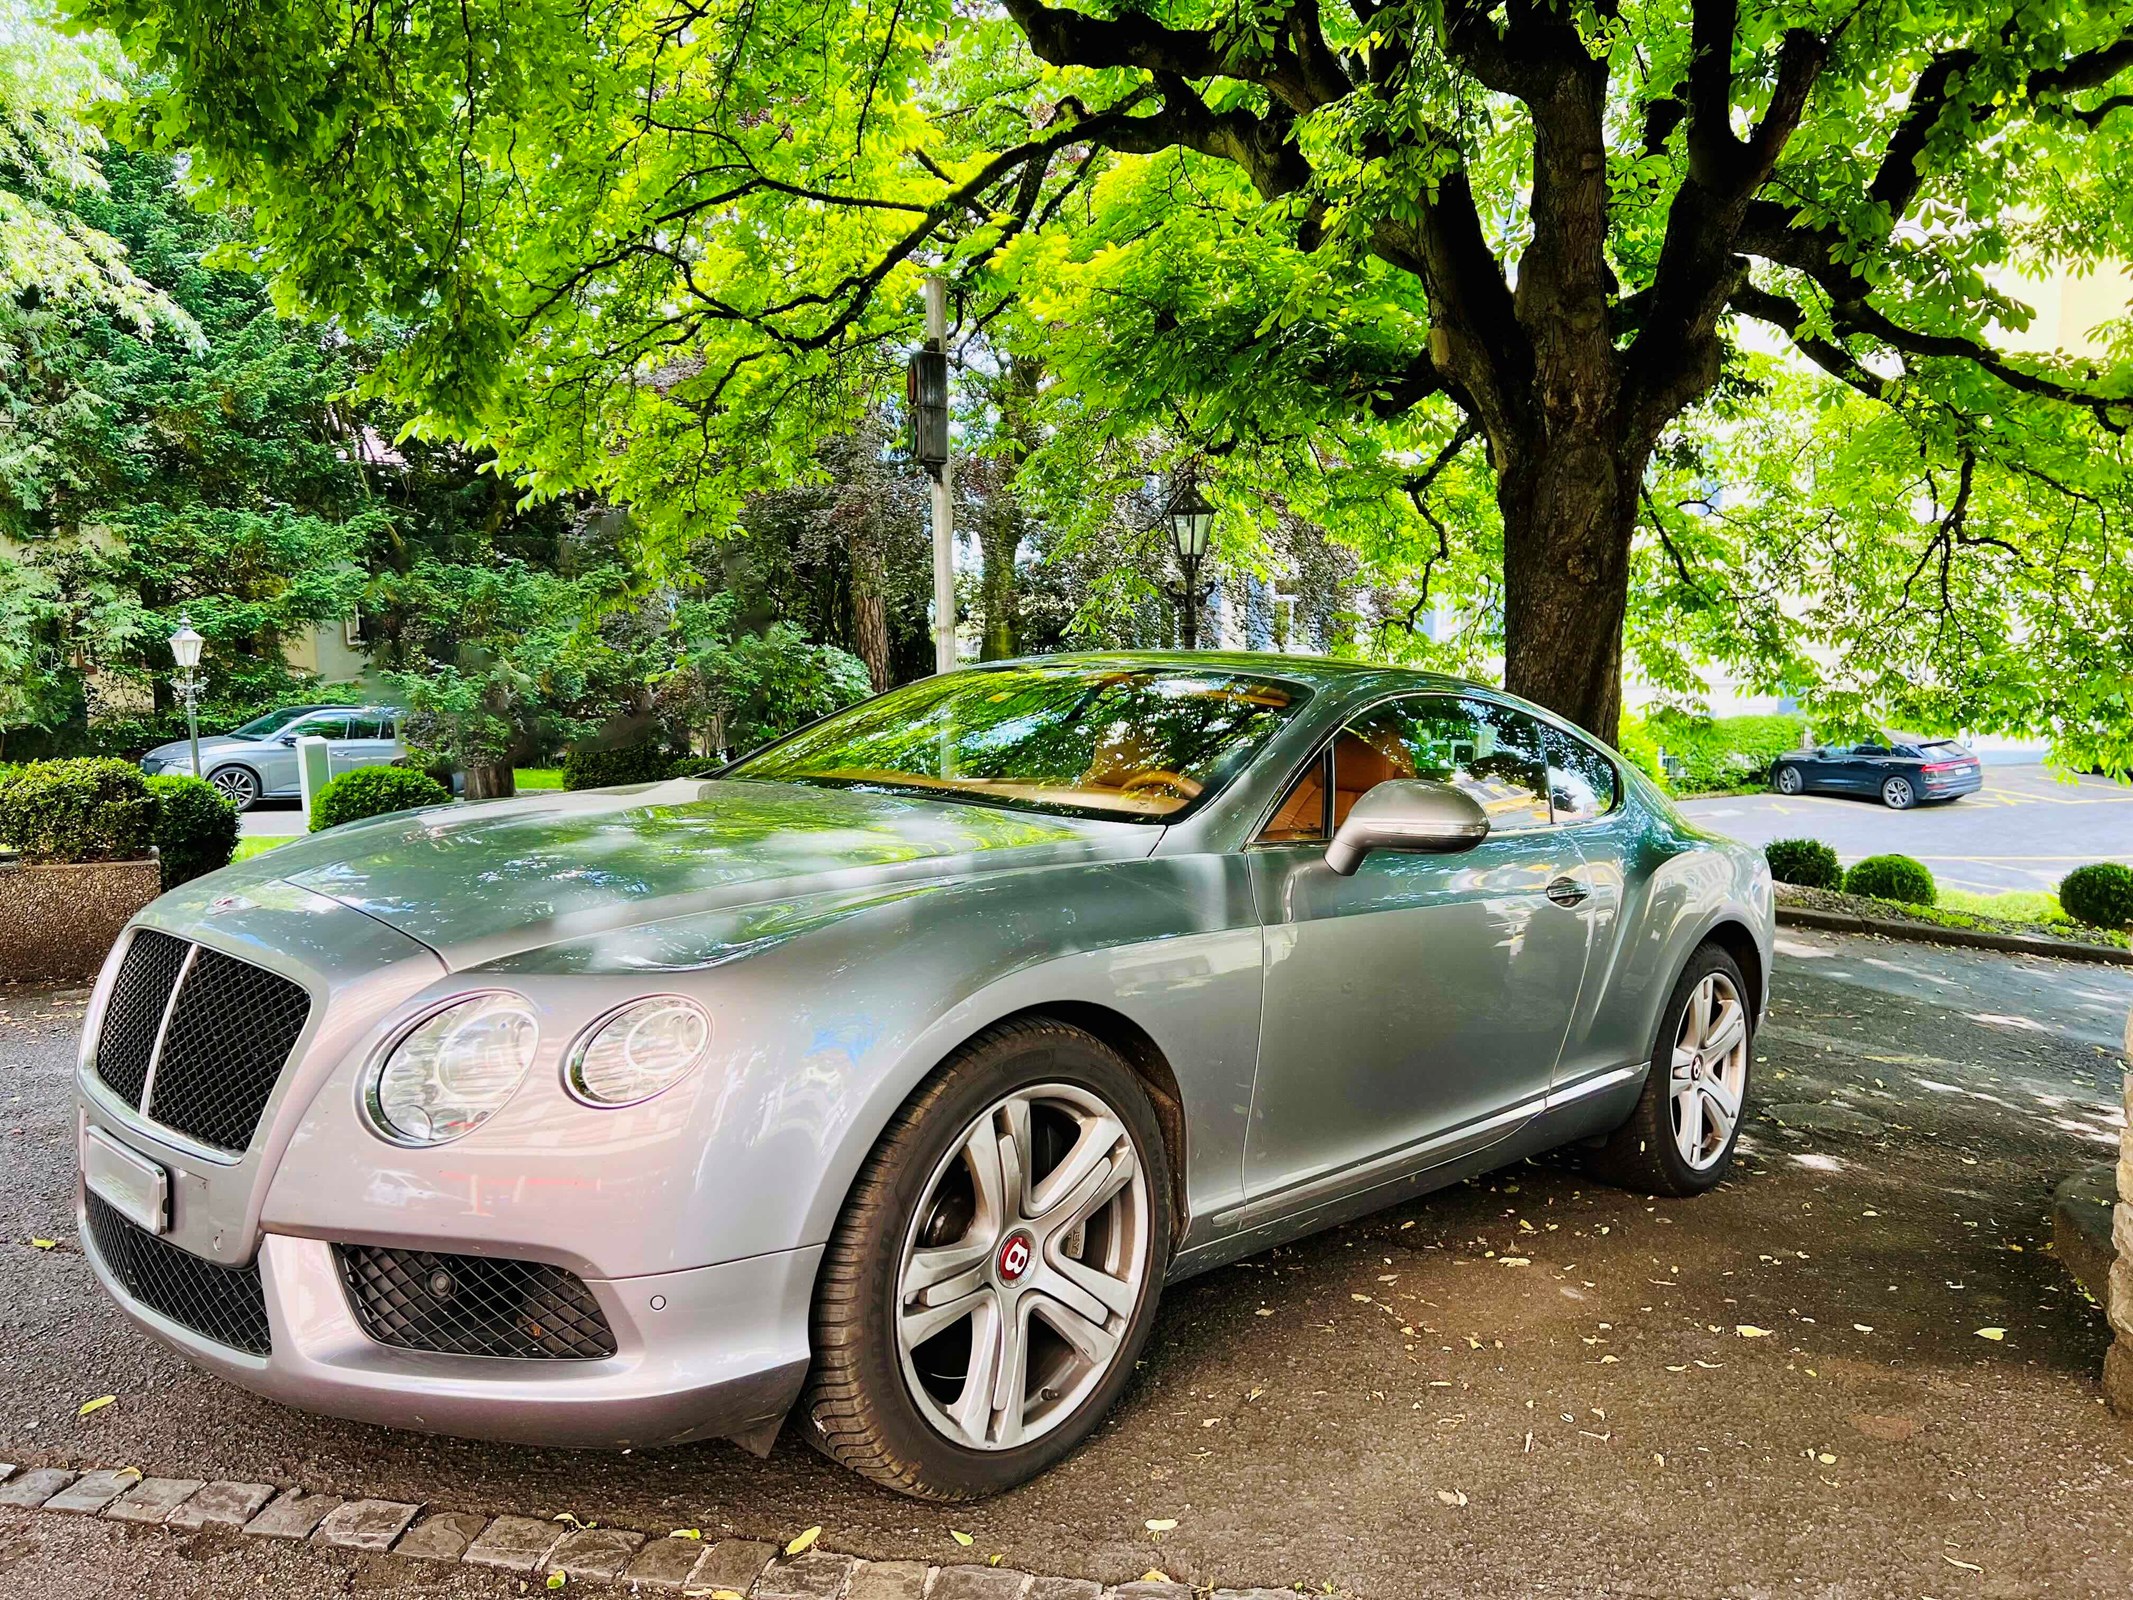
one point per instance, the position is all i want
(1681, 1138)
(1897, 793)
(995, 1272)
(238, 785)
(1789, 780)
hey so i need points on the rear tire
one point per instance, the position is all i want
(1897, 793)
(1673, 1143)
(890, 1394)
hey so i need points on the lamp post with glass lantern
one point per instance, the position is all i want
(185, 652)
(1192, 522)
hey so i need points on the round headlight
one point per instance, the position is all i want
(454, 1070)
(635, 1052)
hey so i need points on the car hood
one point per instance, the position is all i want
(478, 882)
(210, 744)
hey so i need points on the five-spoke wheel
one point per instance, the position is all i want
(995, 1271)
(1710, 1071)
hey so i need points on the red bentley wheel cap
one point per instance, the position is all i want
(1014, 1258)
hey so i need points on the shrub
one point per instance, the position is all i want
(372, 792)
(697, 766)
(1891, 878)
(95, 808)
(625, 763)
(196, 829)
(1706, 753)
(2100, 895)
(1807, 862)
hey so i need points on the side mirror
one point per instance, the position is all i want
(1407, 814)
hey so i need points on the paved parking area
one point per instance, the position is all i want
(2026, 829)
(1528, 1386)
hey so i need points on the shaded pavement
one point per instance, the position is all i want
(1526, 1386)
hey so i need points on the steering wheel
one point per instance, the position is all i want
(1156, 778)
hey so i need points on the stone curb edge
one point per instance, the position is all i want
(1969, 938)
(527, 1547)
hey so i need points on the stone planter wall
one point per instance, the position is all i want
(58, 923)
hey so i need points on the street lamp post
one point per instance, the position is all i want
(1192, 521)
(185, 651)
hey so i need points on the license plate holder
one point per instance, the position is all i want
(135, 1187)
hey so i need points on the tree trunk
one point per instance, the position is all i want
(491, 782)
(999, 598)
(870, 617)
(1569, 510)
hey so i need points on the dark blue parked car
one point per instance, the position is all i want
(1900, 769)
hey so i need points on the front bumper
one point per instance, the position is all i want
(716, 1352)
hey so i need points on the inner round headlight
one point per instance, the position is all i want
(455, 1069)
(633, 1053)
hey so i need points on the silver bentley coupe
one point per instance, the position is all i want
(882, 1081)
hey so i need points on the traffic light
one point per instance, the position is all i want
(926, 408)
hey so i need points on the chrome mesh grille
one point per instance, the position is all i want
(225, 1304)
(473, 1305)
(139, 997)
(226, 1029)
(231, 1030)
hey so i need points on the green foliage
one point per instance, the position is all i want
(645, 762)
(1699, 754)
(372, 792)
(740, 690)
(89, 809)
(2100, 895)
(1891, 877)
(196, 828)
(1807, 862)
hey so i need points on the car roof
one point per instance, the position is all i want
(1307, 670)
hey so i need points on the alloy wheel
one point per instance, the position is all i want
(1710, 1071)
(1897, 792)
(236, 785)
(1026, 1258)
(1788, 780)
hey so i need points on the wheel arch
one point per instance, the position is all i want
(1138, 1049)
(1737, 941)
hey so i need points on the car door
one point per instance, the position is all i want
(1414, 1011)
(370, 743)
(280, 772)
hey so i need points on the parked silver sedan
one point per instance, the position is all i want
(880, 1084)
(258, 760)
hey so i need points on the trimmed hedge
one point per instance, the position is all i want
(1896, 878)
(93, 808)
(196, 828)
(2100, 895)
(626, 763)
(1706, 753)
(1809, 863)
(373, 792)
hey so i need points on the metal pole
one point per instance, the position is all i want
(192, 720)
(943, 501)
(1189, 620)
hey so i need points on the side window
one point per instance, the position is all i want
(1490, 751)
(1301, 816)
(388, 728)
(1582, 783)
(328, 725)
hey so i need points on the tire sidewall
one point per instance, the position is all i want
(1685, 1179)
(1909, 793)
(969, 1083)
(242, 804)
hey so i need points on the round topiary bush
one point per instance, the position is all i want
(196, 829)
(1809, 863)
(372, 792)
(2100, 895)
(1896, 878)
(625, 763)
(94, 808)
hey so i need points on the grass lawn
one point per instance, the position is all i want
(248, 848)
(2017, 905)
(538, 777)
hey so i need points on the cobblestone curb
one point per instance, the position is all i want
(1967, 938)
(564, 1553)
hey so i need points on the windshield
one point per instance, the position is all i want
(1140, 744)
(260, 727)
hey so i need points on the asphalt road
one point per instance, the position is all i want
(2026, 829)
(1527, 1386)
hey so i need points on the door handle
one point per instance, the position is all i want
(1567, 891)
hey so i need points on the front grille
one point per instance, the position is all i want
(139, 998)
(225, 1304)
(226, 1029)
(473, 1305)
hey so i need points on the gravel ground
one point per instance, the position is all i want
(1527, 1386)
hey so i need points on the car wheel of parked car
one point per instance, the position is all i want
(1897, 793)
(1680, 1139)
(1788, 779)
(996, 1269)
(238, 785)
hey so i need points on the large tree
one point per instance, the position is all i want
(636, 242)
